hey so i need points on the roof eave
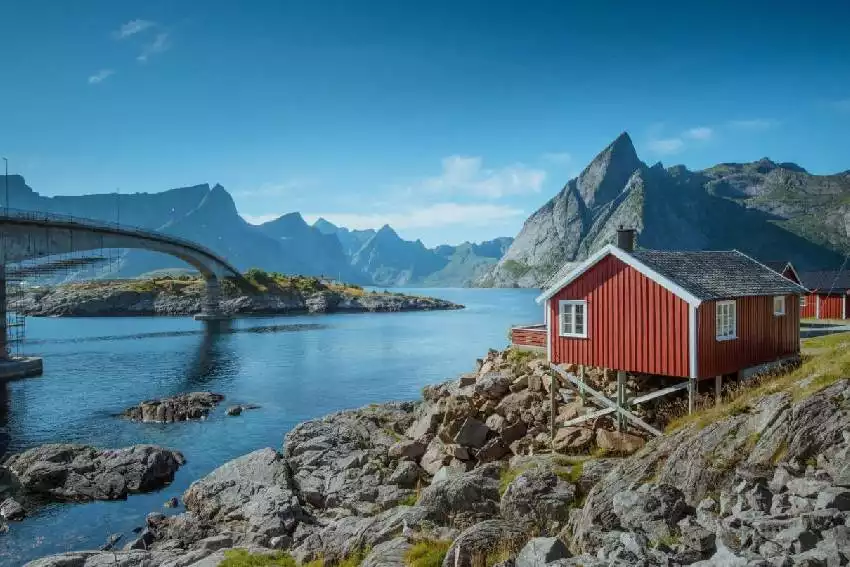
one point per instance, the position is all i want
(627, 258)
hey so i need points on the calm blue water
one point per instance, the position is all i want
(296, 368)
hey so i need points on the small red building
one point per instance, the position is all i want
(684, 314)
(827, 295)
(786, 269)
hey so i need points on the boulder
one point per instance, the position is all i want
(234, 410)
(493, 450)
(435, 456)
(539, 499)
(478, 541)
(406, 474)
(493, 385)
(252, 496)
(637, 508)
(572, 439)
(183, 407)
(11, 510)
(540, 551)
(66, 472)
(830, 497)
(463, 499)
(472, 433)
(447, 472)
(406, 450)
(618, 442)
(388, 554)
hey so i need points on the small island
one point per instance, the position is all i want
(257, 293)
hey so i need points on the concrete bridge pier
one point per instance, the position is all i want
(211, 314)
(18, 367)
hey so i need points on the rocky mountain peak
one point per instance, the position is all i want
(607, 174)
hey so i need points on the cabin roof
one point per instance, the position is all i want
(695, 276)
(826, 280)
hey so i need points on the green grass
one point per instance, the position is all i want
(317, 562)
(241, 558)
(409, 500)
(508, 476)
(355, 558)
(427, 553)
(828, 363)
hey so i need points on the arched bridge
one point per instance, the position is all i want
(31, 235)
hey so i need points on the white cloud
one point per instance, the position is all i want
(100, 76)
(432, 216)
(753, 124)
(260, 219)
(462, 174)
(559, 158)
(160, 44)
(699, 133)
(132, 28)
(666, 146)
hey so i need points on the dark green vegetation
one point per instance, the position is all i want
(427, 553)
(242, 558)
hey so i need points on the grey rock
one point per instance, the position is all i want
(494, 385)
(406, 474)
(806, 487)
(635, 508)
(171, 502)
(465, 498)
(111, 541)
(829, 497)
(539, 499)
(65, 472)
(435, 456)
(446, 473)
(472, 433)
(475, 542)
(234, 410)
(406, 450)
(252, 496)
(540, 551)
(388, 554)
(182, 407)
(10, 509)
(493, 450)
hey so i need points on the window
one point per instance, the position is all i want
(779, 305)
(726, 327)
(573, 319)
(802, 301)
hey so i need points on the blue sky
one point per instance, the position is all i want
(451, 120)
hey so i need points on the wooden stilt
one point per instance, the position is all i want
(553, 407)
(581, 391)
(718, 389)
(692, 386)
(621, 397)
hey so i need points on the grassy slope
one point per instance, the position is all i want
(826, 360)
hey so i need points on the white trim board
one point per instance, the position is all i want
(628, 259)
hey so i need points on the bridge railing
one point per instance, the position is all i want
(24, 214)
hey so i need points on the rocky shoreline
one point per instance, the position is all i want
(126, 299)
(468, 469)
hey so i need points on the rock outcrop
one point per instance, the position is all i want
(767, 484)
(79, 473)
(182, 407)
(109, 299)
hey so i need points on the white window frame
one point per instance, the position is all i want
(802, 301)
(730, 333)
(569, 305)
(781, 311)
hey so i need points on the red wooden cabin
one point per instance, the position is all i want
(827, 295)
(684, 314)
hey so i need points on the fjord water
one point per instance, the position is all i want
(296, 368)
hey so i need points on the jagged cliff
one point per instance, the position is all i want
(770, 211)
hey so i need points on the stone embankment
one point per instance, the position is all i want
(468, 469)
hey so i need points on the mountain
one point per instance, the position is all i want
(310, 250)
(767, 210)
(287, 244)
(351, 240)
(389, 260)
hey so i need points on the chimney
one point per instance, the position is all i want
(626, 238)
